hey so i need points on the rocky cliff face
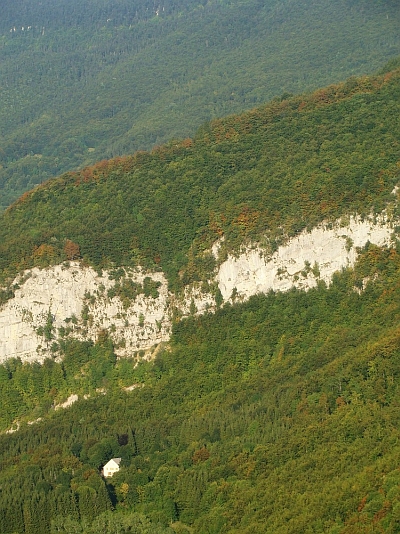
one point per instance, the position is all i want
(75, 301)
(302, 261)
(136, 308)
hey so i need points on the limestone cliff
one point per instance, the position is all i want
(136, 308)
(75, 301)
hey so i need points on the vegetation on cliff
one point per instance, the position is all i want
(275, 416)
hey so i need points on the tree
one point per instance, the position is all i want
(72, 250)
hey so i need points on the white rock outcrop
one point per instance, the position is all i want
(72, 300)
(69, 402)
(309, 257)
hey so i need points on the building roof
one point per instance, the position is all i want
(114, 460)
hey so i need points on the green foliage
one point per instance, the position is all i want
(127, 290)
(88, 80)
(276, 415)
(264, 175)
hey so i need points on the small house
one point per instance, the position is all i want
(111, 467)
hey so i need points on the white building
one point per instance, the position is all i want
(111, 467)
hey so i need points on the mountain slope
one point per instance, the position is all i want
(84, 81)
(262, 176)
(274, 415)
(281, 196)
(278, 415)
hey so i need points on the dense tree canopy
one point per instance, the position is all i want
(82, 81)
(260, 176)
(275, 416)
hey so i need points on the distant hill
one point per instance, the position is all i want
(83, 81)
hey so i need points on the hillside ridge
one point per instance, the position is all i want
(260, 177)
(224, 312)
(281, 196)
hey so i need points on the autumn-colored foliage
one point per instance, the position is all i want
(201, 455)
(71, 250)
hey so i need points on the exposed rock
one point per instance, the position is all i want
(35, 421)
(302, 261)
(71, 399)
(76, 301)
(132, 387)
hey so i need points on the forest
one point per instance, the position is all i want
(262, 176)
(84, 81)
(278, 415)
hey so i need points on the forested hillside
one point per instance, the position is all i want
(259, 177)
(278, 415)
(83, 81)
